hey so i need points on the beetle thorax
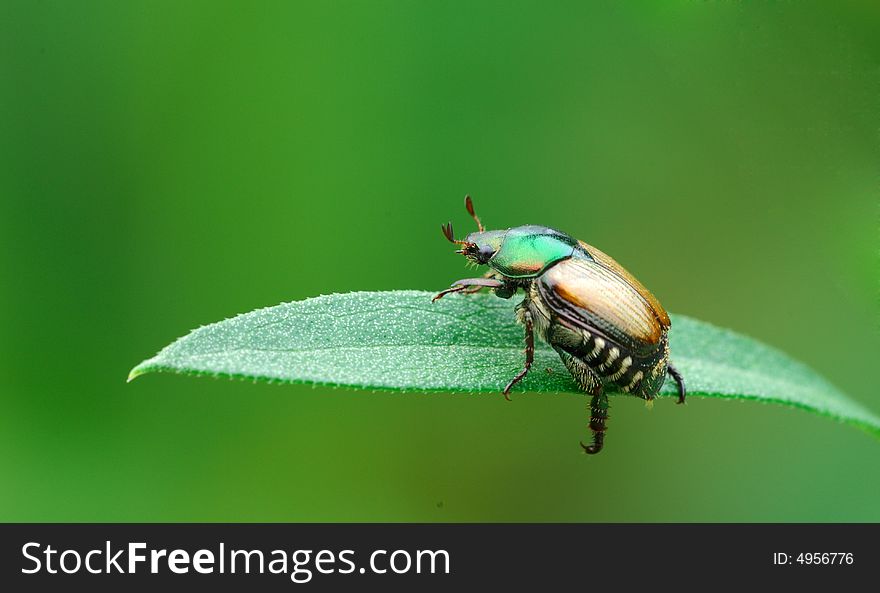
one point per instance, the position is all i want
(527, 251)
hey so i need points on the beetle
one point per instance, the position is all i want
(609, 330)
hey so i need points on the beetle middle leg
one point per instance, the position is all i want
(526, 319)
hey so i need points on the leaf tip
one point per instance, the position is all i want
(136, 372)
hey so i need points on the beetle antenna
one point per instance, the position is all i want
(469, 204)
(447, 232)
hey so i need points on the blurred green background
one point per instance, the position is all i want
(165, 165)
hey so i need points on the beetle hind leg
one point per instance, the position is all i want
(679, 380)
(598, 418)
(590, 382)
(586, 378)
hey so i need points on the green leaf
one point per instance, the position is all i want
(401, 341)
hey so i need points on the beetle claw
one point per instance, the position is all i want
(598, 441)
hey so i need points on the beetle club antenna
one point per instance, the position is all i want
(447, 232)
(469, 204)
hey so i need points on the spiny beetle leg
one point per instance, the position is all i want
(679, 380)
(461, 285)
(530, 354)
(478, 288)
(443, 293)
(598, 418)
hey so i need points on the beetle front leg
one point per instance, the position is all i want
(465, 284)
(505, 291)
(526, 318)
(478, 288)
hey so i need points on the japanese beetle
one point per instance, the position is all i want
(608, 329)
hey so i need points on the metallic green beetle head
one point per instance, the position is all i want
(478, 247)
(520, 252)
